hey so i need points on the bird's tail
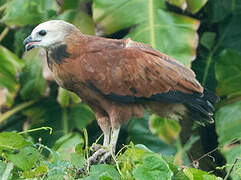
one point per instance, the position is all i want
(203, 106)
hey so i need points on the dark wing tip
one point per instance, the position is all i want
(205, 105)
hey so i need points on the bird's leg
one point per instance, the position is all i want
(100, 151)
(112, 146)
(114, 138)
(106, 138)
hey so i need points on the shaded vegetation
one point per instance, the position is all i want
(44, 128)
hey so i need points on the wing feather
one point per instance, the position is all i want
(128, 68)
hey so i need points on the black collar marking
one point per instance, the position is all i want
(59, 53)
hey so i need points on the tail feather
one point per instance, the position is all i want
(204, 105)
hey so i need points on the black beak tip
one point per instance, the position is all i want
(26, 41)
(28, 48)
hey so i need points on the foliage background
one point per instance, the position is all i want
(203, 34)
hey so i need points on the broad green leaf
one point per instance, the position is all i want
(166, 129)
(232, 154)
(129, 158)
(104, 171)
(25, 159)
(192, 6)
(21, 13)
(80, 19)
(80, 115)
(10, 65)
(66, 4)
(179, 3)
(220, 9)
(194, 174)
(63, 97)
(66, 97)
(228, 121)
(170, 33)
(36, 172)
(66, 144)
(228, 36)
(208, 40)
(12, 141)
(45, 113)
(33, 83)
(55, 177)
(228, 78)
(77, 160)
(139, 133)
(153, 168)
(25, 12)
(230, 30)
(195, 5)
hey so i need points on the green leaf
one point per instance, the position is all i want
(195, 6)
(77, 160)
(104, 172)
(66, 144)
(25, 159)
(190, 5)
(194, 174)
(37, 172)
(228, 78)
(230, 29)
(10, 65)
(66, 97)
(66, 4)
(25, 12)
(208, 40)
(80, 115)
(228, 120)
(139, 133)
(220, 9)
(166, 129)
(12, 141)
(56, 176)
(63, 97)
(21, 13)
(179, 3)
(80, 19)
(33, 83)
(153, 168)
(232, 154)
(151, 22)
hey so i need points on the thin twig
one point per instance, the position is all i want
(205, 155)
(16, 109)
(86, 149)
(37, 129)
(4, 33)
(230, 171)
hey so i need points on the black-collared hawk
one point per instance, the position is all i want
(118, 78)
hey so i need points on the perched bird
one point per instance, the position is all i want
(118, 79)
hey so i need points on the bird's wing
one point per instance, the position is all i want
(132, 70)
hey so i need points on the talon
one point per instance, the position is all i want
(94, 158)
(105, 157)
(96, 147)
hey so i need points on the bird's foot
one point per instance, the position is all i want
(101, 155)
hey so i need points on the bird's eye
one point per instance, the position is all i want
(42, 33)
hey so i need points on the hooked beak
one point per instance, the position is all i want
(29, 43)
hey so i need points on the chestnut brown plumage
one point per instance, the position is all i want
(118, 79)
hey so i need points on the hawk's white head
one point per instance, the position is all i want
(48, 34)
